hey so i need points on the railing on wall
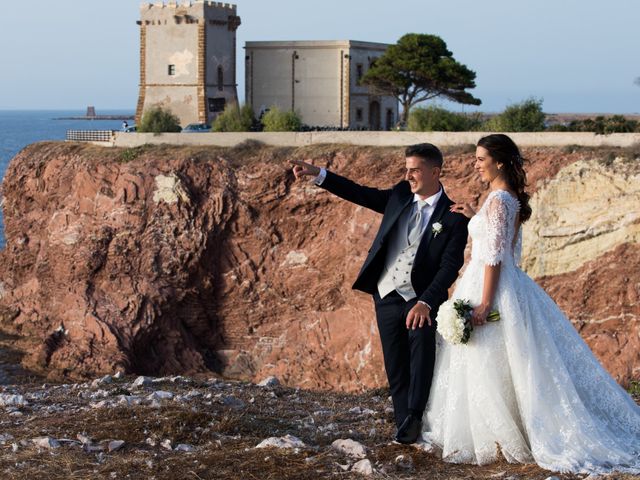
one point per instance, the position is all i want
(90, 135)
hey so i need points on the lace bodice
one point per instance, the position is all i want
(492, 230)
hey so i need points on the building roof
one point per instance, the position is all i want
(318, 44)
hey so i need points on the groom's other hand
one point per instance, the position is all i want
(418, 315)
(302, 169)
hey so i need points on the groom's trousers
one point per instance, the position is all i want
(409, 355)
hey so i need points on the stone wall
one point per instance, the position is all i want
(374, 139)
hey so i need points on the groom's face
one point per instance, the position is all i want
(423, 177)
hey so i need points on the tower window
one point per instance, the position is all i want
(220, 78)
(171, 70)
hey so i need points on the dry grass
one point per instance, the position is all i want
(224, 436)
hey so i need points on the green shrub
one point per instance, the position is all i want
(275, 120)
(526, 116)
(234, 119)
(436, 119)
(159, 120)
(604, 125)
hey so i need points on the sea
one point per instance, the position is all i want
(19, 128)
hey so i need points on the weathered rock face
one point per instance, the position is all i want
(171, 260)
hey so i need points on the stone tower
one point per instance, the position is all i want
(188, 58)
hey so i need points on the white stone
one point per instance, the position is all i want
(119, 375)
(8, 400)
(167, 444)
(362, 411)
(183, 447)
(129, 400)
(169, 189)
(102, 381)
(288, 441)
(141, 381)
(115, 445)
(46, 442)
(350, 447)
(404, 461)
(160, 395)
(269, 382)
(363, 467)
(294, 258)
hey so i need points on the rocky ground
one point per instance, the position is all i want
(205, 428)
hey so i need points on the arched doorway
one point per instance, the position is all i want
(374, 115)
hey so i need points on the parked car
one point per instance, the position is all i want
(197, 128)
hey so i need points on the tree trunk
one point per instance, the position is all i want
(404, 119)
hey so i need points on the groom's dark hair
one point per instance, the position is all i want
(428, 152)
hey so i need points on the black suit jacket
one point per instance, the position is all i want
(439, 257)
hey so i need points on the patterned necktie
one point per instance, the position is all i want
(415, 224)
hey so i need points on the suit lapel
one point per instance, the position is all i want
(395, 215)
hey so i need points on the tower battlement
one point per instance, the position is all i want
(232, 8)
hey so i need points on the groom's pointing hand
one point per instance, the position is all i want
(418, 315)
(301, 169)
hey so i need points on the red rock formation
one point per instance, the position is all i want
(170, 260)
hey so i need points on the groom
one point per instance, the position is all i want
(413, 261)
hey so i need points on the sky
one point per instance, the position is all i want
(577, 56)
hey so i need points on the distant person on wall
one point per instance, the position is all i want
(125, 125)
(413, 261)
(525, 388)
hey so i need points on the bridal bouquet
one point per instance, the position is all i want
(454, 320)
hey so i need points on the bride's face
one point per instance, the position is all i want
(487, 167)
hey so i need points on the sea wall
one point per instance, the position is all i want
(372, 139)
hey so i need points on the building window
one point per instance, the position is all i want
(372, 61)
(358, 115)
(216, 105)
(359, 73)
(220, 78)
(171, 70)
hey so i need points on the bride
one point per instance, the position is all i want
(526, 387)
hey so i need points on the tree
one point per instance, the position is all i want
(158, 120)
(526, 116)
(234, 119)
(436, 119)
(275, 120)
(418, 68)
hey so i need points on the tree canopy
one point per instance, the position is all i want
(420, 67)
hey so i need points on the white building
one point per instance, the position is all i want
(188, 58)
(320, 80)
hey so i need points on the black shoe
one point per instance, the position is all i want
(409, 431)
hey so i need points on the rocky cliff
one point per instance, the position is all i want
(163, 260)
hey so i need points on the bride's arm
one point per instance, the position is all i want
(497, 218)
(491, 278)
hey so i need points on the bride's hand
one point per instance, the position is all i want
(479, 315)
(463, 208)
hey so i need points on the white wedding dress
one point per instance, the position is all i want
(526, 387)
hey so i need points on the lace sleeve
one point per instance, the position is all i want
(496, 213)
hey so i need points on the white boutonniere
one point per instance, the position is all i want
(436, 228)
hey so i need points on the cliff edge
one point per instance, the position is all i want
(164, 260)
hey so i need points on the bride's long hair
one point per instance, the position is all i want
(503, 150)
